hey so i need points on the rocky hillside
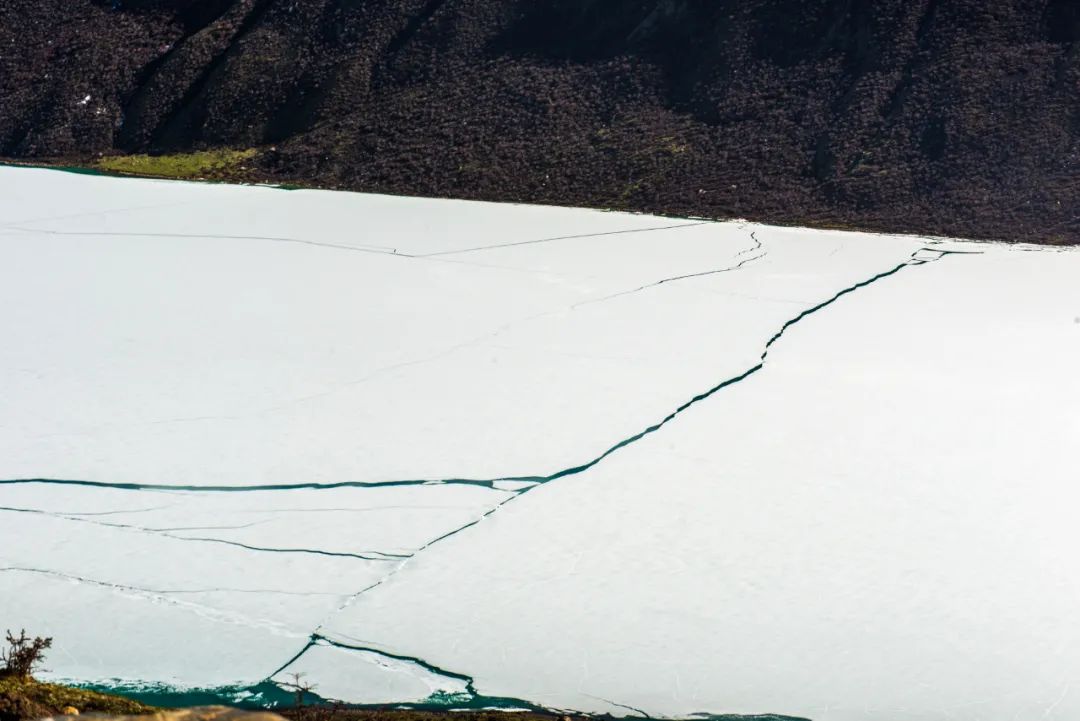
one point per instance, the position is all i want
(956, 117)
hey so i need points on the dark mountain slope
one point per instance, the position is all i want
(956, 117)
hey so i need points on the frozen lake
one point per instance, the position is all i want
(470, 454)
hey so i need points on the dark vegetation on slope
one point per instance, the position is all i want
(957, 117)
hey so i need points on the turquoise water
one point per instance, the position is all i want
(268, 695)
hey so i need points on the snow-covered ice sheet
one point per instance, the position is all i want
(369, 677)
(879, 525)
(41, 202)
(145, 357)
(106, 634)
(439, 450)
(372, 522)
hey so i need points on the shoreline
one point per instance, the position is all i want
(250, 177)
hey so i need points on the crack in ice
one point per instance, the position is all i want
(755, 247)
(360, 248)
(155, 591)
(912, 261)
(474, 697)
(168, 597)
(620, 705)
(916, 259)
(562, 237)
(439, 355)
(377, 556)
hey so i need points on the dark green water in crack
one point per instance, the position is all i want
(267, 694)
(260, 696)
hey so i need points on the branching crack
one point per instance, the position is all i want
(175, 598)
(473, 697)
(562, 237)
(920, 257)
(746, 261)
(156, 591)
(636, 710)
(916, 259)
(377, 556)
(477, 340)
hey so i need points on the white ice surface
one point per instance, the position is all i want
(107, 634)
(365, 521)
(367, 677)
(876, 525)
(215, 359)
(879, 525)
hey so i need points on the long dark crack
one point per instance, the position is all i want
(916, 259)
(385, 558)
(264, 487)
(317, 640)
(474, 699)
(913, 261)
(616, 704)
(490, 483)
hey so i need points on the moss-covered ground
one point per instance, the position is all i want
(221, 163)
(23, 698)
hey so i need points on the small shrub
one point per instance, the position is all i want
(299, 687)
(23, 655)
